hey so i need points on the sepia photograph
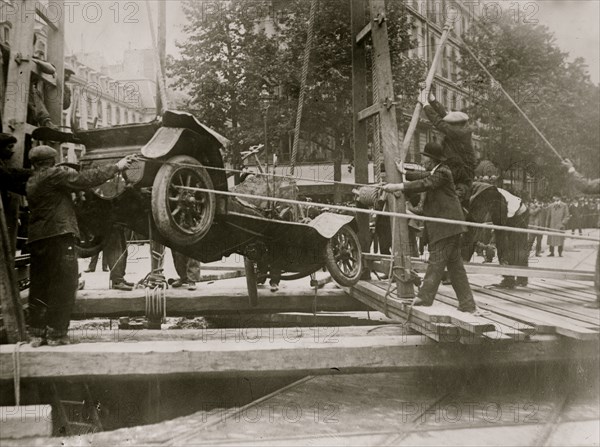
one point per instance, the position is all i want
(299, 223)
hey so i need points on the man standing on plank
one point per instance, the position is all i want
(441, 201)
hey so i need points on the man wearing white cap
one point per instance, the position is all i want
(457, 143)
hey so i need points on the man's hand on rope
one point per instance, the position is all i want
(393, 188)
(569, 165)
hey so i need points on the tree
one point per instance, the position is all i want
(555, 94)
(224, 63)
(228, 56)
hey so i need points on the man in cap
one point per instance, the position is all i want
(457, 143)
(440, 201)
(52, 232)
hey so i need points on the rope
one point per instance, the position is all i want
(303, 82)
(390, 214)
(511, 100)
(376, 123)
(238, 171)
(17, 371)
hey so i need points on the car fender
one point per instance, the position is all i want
(328, 224)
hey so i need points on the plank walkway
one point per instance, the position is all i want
(546, 306)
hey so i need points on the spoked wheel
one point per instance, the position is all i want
(344, 257)
(251, 281)
(183, 216)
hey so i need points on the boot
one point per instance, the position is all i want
(57, 337)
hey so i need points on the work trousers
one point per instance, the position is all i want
(537, 240)
(188, 269)
(513, 248)
(446, 253)
(54, 279)
(115, 251)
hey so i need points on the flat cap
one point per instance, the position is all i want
(40, 153)
(6, 139)
(69, 69)
(456, 117)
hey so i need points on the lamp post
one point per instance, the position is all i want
(265, 99)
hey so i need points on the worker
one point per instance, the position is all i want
(557, 218)
(188, 270)
(513, 247)
(52, 233)
(587, 187)
(457, 144)
(536, 220)
(444, 239)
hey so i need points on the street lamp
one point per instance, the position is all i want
(265, 100)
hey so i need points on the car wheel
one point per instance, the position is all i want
(183, 216)
(251, 281)
(343, 257)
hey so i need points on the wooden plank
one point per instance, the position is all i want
(363, 33)
(369, 112)
(300, 355)
(13, 318)
(541, 319)
(515, 296)
(438, 332)
(25, 421)
(218, 300)
(438, 313)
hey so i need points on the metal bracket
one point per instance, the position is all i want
(388, 103)
(20, 59)
(379, 19)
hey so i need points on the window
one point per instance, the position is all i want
(454, 101)
(117, 115)
(445, 62)
(108, 115)
(444, 97)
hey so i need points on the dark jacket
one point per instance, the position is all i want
(13, 179)
(50, 201)
(457, 144)
(440, 201)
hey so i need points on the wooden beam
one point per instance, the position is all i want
(363, 33)
(369, 112)
(106, 303)
(359, 102)
(290, 351)
(390, 148)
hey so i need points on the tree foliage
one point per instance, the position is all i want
(227, 57)
(557, 95)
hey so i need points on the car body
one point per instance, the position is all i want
(151, 198)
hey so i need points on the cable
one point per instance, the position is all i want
(389, 214)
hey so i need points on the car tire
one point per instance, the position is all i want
(183, 217)
(88, 244)
(343, 257)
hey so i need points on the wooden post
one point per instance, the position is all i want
(390, 146)
(417, 113)
(12, 311)
(359, 102)
(56, 56)
(162, 49)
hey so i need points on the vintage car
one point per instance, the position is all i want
(178, 151)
